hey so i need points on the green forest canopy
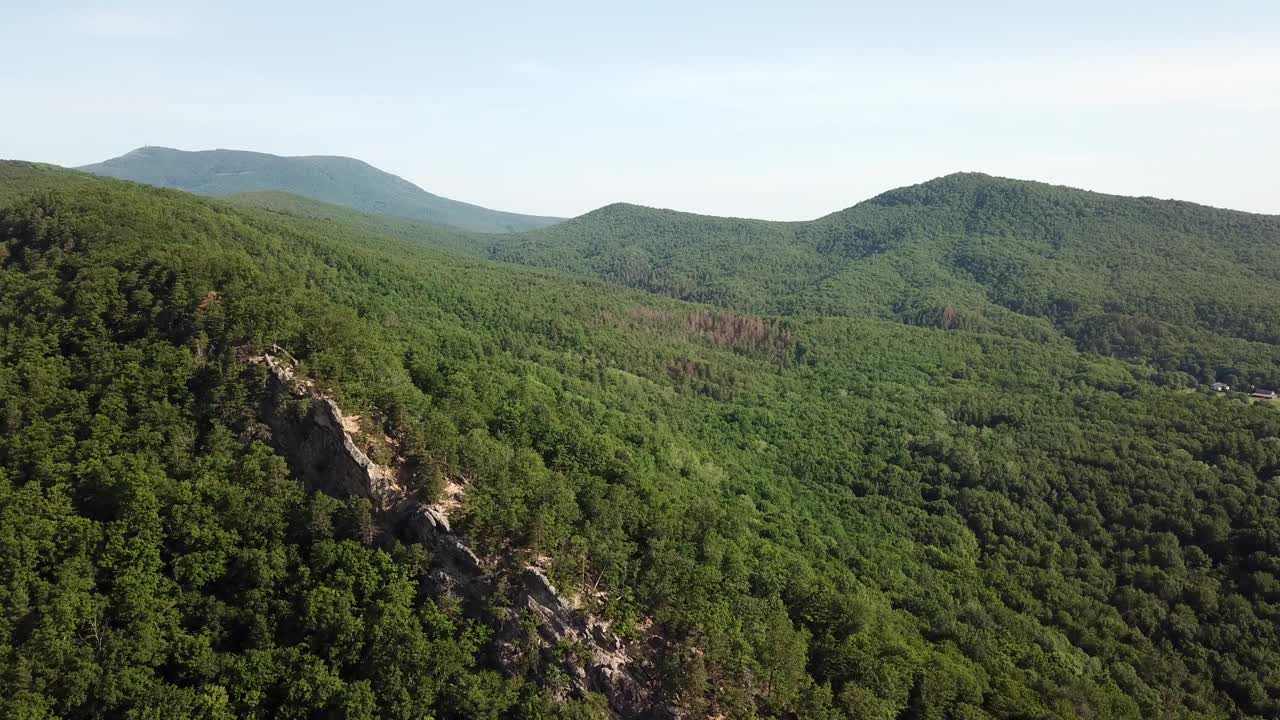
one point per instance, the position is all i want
(825, 514)
(1182, 287)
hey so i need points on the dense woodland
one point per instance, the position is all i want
(1180, 286)
(823, 511)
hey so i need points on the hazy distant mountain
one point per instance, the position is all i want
(339, 180)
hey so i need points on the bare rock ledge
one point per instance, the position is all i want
(309, 430)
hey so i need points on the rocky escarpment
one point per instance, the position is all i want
(312, 433)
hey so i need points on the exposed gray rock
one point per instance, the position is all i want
(308, 429)
(438, 520)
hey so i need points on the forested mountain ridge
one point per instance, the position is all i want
(1188, 288)
(339, 180)
(1183, 286)
(805, 516)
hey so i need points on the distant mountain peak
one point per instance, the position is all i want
(334, 179)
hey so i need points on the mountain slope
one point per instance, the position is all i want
(781, 517)
(1176, 284)
(442, 237)
(338, 180)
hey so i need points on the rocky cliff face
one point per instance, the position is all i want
(310, 431)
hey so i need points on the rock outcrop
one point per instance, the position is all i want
(311, 432)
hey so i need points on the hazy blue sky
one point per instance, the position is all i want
(780, 110)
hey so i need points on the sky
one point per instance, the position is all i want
(779, 110)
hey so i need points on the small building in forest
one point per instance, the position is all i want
(1219, 387)
(1263, 394)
